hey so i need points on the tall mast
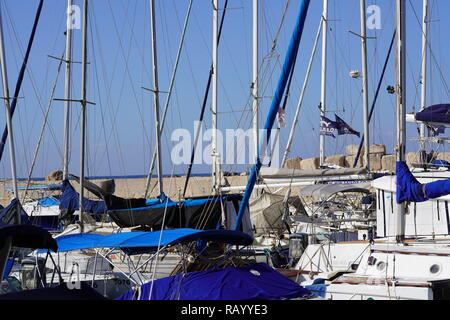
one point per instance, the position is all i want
(169, 95)
(323, 92)
(423, 103)
(8, 113)
(156, 96)
(83, 109)
(365, 84)
(67, 90)
(401, 107)
(215, 57)
(255, 75)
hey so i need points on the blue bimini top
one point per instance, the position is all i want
(150, 240)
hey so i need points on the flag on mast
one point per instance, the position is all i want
(327, 127)
(344, 128)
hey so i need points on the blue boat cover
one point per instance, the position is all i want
(149, 240)
(439, 113)
(8, 267)
(70, 201)
(48, 202)
(440, 164)
(255, 282)
(410, 190)
(28, 236)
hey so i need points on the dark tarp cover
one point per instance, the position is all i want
(203, 213)
(151, 213)
(28, 236)
(61, 293)
(256, 282)
(410, 190)
(112, 202)
(69, 201)
(8, 215)
(439, 113)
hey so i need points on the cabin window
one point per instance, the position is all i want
(392, 203)
(438, 211)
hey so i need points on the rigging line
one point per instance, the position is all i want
(372, 109)
(286, 97)
(97, 82)
(28, 71)
(136, 43)
(126, 57)
(205, 100)
(265, 61)
(166, 107)
(50, 103)
(277, 34)
(432, 52)
(245, 32)
(297, 113)
(171, 183)
(249, 117)
(108, 87)
(114, 130)
(12, 26)
(265, 88)
(21, 75)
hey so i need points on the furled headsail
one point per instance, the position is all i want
(411, 190)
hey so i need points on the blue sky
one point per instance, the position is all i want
(121, 125)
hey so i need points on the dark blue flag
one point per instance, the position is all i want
(327, 127)
(344, 128)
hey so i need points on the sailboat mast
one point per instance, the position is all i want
(401, 107)
(215, 57)
(169, 95)
(83, 109)
(365, 84)
(67, 90)
(323, 92)
(156, 96)
(8, 113)
(255, 75)
(423, 103)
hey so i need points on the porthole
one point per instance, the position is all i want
(381, 266)
(435, 269)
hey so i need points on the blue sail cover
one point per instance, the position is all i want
(439, 113)
(69, 200)
(255, 282)
(150, 240)
(410, 190)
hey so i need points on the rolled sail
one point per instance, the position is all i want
(411, 190)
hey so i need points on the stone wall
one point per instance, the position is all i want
(379, 160)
